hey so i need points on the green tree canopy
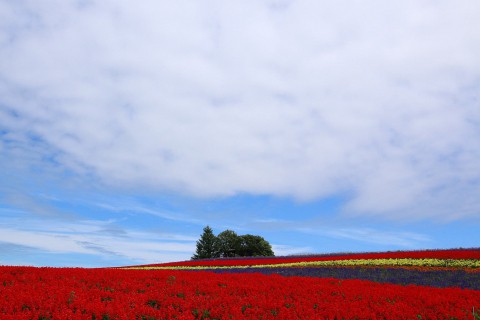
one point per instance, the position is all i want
(206, 245)
(251, 246)
(228, 244)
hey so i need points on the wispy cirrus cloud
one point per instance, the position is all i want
(175, 216)
(104, 240)
(400, 239)
(347, 230)
(286, 250)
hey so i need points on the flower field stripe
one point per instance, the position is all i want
(447, 263)
(458, 278)
(437, 263)
(453, 254)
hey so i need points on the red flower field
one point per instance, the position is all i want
(111, 293)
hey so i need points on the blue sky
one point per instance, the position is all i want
(321, 126)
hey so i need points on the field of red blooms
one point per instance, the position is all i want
(111, 293)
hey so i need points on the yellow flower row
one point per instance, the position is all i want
(406, 262)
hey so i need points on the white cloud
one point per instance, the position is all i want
(285, 250)
(403, 239)
(162, 214)
(303, 99)
(97, 238)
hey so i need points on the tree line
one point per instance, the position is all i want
(229, 244)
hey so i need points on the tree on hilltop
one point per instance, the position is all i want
(229, 244)
(206, 245)
(252, 246)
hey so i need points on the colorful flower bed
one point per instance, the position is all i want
(55, 293)
(393, 285)
(437, 263)
(403, 276)
(454, 254)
